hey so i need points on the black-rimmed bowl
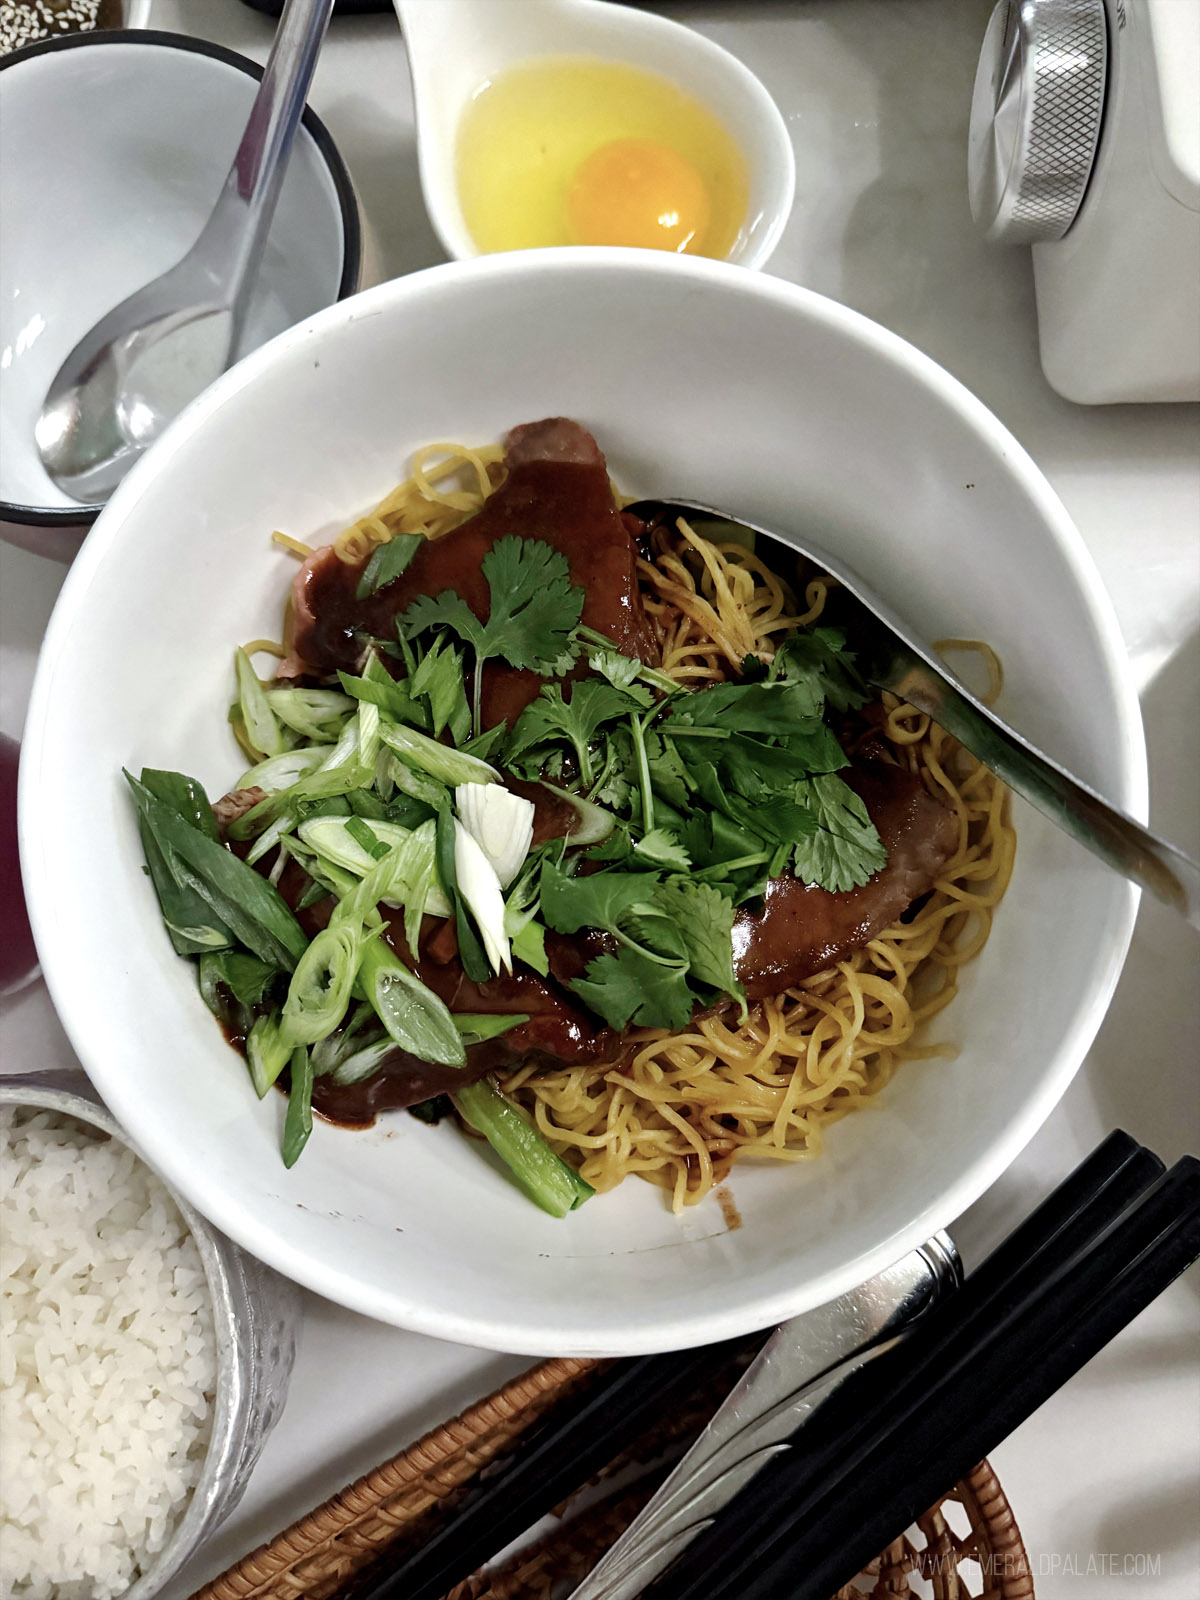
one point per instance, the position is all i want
(113, 149)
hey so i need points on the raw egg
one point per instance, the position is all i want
(569, 150)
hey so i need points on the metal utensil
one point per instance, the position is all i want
(890, 656)
(152, 354)
(796, 1369)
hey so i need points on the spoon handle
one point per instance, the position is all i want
(1117, 839)
(236, 233)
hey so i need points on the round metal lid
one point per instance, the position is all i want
(1035, 117)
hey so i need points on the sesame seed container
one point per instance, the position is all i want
(255, 1315)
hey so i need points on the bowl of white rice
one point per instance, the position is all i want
(143, 1357)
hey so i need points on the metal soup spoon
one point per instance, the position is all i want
(890, 656)
(152, 354)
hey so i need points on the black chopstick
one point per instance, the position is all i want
(1107, 1180)
(1126, 1270)
(845, 1425)
(613, 1412)
(1051, 1328)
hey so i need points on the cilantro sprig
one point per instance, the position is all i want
(675, 940)
(534, 608)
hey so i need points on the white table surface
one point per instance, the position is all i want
(1105, 1479)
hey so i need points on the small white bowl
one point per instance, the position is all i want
(457, 45)
(113, 149)
(255, 1317)
(698, 379)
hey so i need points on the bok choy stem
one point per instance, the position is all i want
(544, 1176)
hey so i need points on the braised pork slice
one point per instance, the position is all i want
(556, 490)
(802, 930)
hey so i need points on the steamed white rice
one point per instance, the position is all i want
(107, 1361)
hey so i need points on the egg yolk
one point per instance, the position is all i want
(637, 192)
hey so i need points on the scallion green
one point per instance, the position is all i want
(297, 1125)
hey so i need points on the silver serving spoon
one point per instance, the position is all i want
(890, 656)
(152, 354)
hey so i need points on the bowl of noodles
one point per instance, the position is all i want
(520, 837)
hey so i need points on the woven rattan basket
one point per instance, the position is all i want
(320, 1554)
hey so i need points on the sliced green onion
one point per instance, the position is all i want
(262, 727)
(328, 780)
(277, 773)
(438, 760)
(413, 1015)
(318, 714)
(363, 1063)
(416, 785)
(438, 678)
(478, 1026)
(594, 824)
(414, 875)
(368, 733)
(470, 950)
(382, 692)
(267, 1053)
(297, 1125)
(480, 888)
(268, 840)
(345, 750)
(362, 1027)
(500, 822)
(362, 834)
(319, 992)
(253, 909)
(244, 976)
(545, 1177)
(332, 879)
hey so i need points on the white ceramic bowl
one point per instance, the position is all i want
(456, 45)
(113, 149)
(697, 379)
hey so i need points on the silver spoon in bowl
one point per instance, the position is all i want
(156, 351)
(890, 656)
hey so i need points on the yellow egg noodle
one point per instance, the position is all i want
(678, 1109)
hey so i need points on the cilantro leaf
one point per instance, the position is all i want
(533, 610)
(630, 987)
(387, 562)
(778, 708)
(600, 900)
(780, 820)
(818, 658)
(534, 607)
(704, 918)
(622, 672)
(617, 847)
(668, 771)
(845, 850)
(552, 716)
(662, 848)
